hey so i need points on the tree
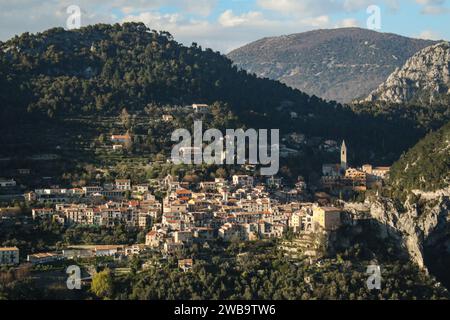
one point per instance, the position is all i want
(102, 284)
(125, 118)
(221, 173)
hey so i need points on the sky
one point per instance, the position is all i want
(224, 25)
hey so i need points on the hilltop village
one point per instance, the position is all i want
(242, 208)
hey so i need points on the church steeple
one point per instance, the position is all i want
(343, 156)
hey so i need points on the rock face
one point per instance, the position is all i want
(424, 78)
(418, 213)
(413, 227)
(337, 64)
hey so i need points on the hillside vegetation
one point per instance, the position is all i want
(427, 165)
(57, 86)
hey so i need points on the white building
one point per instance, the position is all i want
(4, 183)
(9, 256)
(243, 180)
(45, 257)
(123, 184)
(200, 107)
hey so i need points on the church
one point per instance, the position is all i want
(342, 176)
(338, 169)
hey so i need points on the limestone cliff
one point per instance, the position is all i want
(424, 78)
(426, 215)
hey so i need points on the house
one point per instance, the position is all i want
(185, 264)
(356, 176)
(10, 211)
(7, 183)
(381, 172)
(377, 172)
(72, 253)
(113, 194)
(144, 220)
(153, 239)
(200, 107)
(229, 231)
(134, 249)
(331, 170)
(183, 194)
(243, 180)
(42, 213)
(108, 250)
(142, 188)
(9, 256)
(117, 147)
(126, 138)
(208, 185)
(24, 171)
(167, 117)
(45, 257)
(182, 237)
(123, 184)
(329, 218)
(273, 181)
(295, 220)
(202, 234)
(90, 190)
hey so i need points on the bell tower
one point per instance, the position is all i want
(343, 156)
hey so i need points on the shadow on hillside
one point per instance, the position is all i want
(437, 254)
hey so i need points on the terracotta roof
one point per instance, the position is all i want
(381, 168)
(182, 191)
(43, 255)
(108, 247)
(9, 249)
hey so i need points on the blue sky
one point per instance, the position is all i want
(227, 24)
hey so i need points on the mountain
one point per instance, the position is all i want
(425, 79)
(58, 84)
(336, 64)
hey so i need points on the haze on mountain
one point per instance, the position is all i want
(335, 64)
(424, 79)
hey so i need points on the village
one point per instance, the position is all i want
(243, 208)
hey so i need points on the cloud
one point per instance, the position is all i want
(321, 7)
(433, 10)
(300, 8)
(429, 35)
(347, 23)
(431, 2)
(203, 21)
(230, 30)
(195, 7)
(317, 22)
(34, 16)
(229, 19)
(433, 7)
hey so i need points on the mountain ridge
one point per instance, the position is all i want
(424, 78)
(320, 63)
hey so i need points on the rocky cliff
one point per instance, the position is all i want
(415, 207)
(425, 78)
(415, 225)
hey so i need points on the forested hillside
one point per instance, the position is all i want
(97, 71)
(427, 165)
